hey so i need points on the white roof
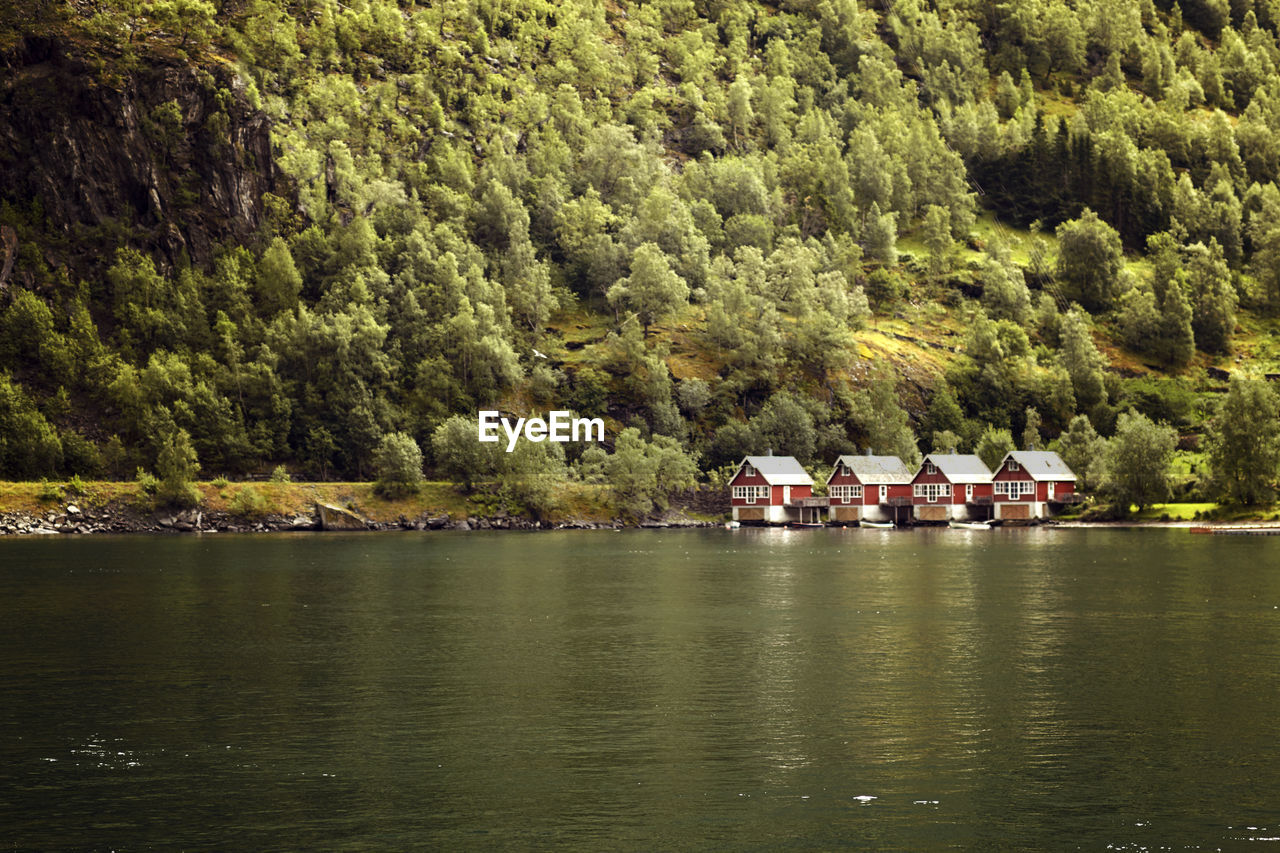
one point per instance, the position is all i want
(874, 470)
(961, 467)
(1041, 464)
(779, 470)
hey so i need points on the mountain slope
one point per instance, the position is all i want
(292, 228)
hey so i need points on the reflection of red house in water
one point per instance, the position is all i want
(1029, 483)
(772, 490)
(874, 488)
(951, 485)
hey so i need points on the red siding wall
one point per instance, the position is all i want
(923, 476)
(958, 490)
(839, 478)
(1042, 486)
(871, 494)
(870, 491)
(1059, 488)
(980, 490)
(1004, 474)
(742, 480)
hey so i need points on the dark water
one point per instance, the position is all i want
(642, 690)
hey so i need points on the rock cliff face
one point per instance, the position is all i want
(172, 155)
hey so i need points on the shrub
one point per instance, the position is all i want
(280, 475)
(147, 482)
(49, 492)
(398, 464)
(221, 483)
(247, 502)
(76, 486)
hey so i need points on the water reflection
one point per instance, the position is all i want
(683, 690)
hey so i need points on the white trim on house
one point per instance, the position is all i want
(1015, 489)
(932, 491)
(846, 493)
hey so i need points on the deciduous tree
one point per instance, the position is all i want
(1137, 462)
(1089, 261)
(1244, 443)
(397, 463)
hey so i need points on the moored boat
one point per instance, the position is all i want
(877, 525)
(968, 525)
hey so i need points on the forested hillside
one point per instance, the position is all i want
(289, 229)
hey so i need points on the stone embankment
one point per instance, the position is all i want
(72, 518)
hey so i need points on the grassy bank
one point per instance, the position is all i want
(1207, 512)
(576, 500)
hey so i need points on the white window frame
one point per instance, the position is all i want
(930, 468)
(750, 493)
(932, 491)
(846, 493)
(884, 494)
(1015, 489)
(1013, 466)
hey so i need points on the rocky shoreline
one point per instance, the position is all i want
(69, 518)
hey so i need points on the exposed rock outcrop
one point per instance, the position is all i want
(337, 518)
(173, 153)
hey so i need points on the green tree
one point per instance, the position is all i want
(644, 474)
(1157, 319)
(397, 464)
(1083, 450)
(177, 465)
(1175, 340)
(993, 445)
(1083, 361)
(945, 441)
(459, 456)
(1004, 292)
(278, 282)
(885, 423)
(652, 290)
(195, 22)
(1137, 462)
(880, 235)
(1031, 430)
(1089, 261)
(1244, 443)
(1212, 296)
(943, 414)
(935, 231)
(786, 427)
(531, 476)
(29, 445)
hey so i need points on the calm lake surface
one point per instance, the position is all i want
(1018, 689)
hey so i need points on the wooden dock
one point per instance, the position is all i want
(1238, 529)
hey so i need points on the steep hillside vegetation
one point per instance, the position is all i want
(288, 229)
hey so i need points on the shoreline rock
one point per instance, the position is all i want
(119, 518)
